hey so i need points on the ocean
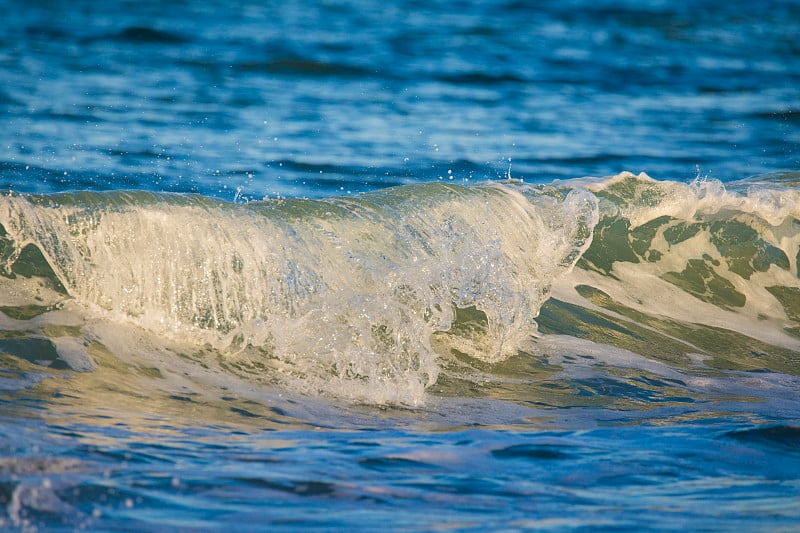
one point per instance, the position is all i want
(410, 266)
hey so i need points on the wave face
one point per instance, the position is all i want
(698, 252)
(343, 295)
(387, 296)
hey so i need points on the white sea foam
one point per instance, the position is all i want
(646, 199)
(742, 242)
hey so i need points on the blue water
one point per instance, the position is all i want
(623, 416)
(313, 99)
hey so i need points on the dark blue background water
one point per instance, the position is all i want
(318, 98)
(314, 98)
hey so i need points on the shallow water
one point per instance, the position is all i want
(341, 266)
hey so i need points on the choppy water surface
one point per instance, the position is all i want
(399, 265)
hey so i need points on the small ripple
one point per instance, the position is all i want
(534, 452)
(143, 35)
(385, 464)
(782, 437)
(299, 488)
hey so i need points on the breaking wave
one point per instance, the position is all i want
(372, 297)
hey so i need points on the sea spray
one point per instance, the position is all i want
(344, 294)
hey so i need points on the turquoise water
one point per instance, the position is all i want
(468, 266)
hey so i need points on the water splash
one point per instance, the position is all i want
(345, 293)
